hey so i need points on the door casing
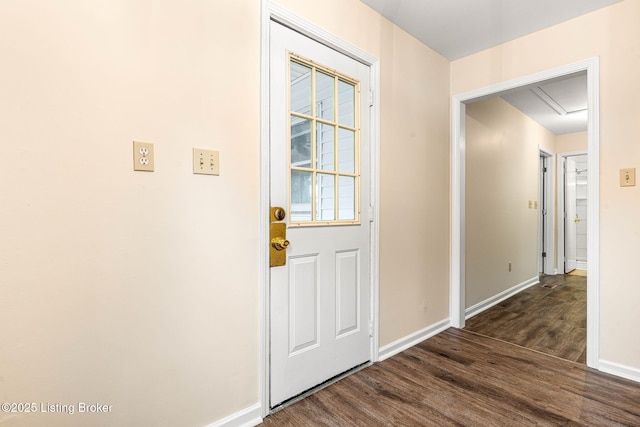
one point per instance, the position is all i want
(457, 273)
(271, 11)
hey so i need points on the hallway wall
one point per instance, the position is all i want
(502, 152)
(133, 289)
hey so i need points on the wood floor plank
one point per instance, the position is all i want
(511, 394)
(550, 317)
(461, 378)
(537, 373)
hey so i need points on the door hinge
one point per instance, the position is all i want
(371, 98)
(370, 328)
(544, 254)
(544, 169)
(371, 214)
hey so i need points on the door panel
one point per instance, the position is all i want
(348, 290)
(320, 173)
(303, 302)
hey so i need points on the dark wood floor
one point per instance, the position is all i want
(550, 317)
(460, 378)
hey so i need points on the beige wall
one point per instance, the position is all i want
(571, 142)
(141, 290)
(613, 35)
(502, 158)
(138, 290)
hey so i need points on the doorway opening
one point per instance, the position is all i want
(573, 229)
(458, 256)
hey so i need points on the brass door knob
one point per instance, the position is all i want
(279, 244)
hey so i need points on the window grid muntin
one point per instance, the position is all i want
(292, 57)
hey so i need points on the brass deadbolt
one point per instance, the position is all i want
(277, 214)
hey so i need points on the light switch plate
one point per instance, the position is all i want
(628, 177)
(143, 156)
(206, 162)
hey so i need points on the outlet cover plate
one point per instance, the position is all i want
(206, 162)
(143, 156)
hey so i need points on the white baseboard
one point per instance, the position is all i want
(619, 370)
(581, 265)
(248, 417)
(490, 302)
(410, 340)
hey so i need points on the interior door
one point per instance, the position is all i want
(320, 174)
(542, 218)
(570, 194)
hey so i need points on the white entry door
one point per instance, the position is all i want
(570, 240)
(320, 174)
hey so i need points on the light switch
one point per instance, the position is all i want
(143, 156)
(206, 162)
(628, 177)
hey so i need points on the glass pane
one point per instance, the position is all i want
(325, 146)
(346, 103)
(300, 142)
(346, 150)
(347, 201)
(300, 76)
(324, 96)
(300, 196)
(325, 197)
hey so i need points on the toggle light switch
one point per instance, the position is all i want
(206, 162)
(628, 177)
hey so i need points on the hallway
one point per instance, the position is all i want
(550, 317)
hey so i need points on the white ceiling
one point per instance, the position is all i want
(457, 28)
(559, 105)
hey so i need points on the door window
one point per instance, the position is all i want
(324, 170)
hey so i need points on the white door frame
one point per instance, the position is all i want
(548, 265)
(457, 284)
(561, 221)
(269, 12)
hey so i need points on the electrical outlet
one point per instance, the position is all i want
(143, 156)
(206, 162)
